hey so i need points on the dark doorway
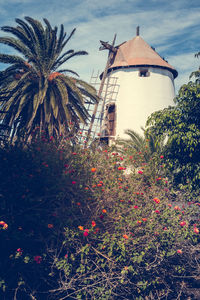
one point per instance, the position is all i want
(111, 119)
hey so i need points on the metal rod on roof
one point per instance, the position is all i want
(138, 30)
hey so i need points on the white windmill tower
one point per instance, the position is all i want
(144, 83)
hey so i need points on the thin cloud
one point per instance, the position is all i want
(172, 27)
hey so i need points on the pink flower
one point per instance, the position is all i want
(85, 233)
(66, 255)
(38, 259)
(161, 156)
(135, 206)
(19, 250)
(196, 230)
(140, 172)
(73, 182)
(179, 251)
(157, 211)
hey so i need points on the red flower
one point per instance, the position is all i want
(196, 230)
(73, 182)
(5, 226)
(97, 230)
(140, 172)
(159, 178)
(93, 224)
(85, 233)
(135, 206)
(157, 211)
(156, 200)
(179, 251)
(120, 168)
(93, 170)
(183, 223)
(125, 236)
(66, 255)
(38, 259)
(161, 156)
(50, 225)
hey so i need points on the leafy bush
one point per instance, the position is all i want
(93, 224)
(137, 240)
(180, 126)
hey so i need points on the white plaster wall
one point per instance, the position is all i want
(138, 97)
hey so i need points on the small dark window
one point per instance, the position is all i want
(144, 73)
(111, 119)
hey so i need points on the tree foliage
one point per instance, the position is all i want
(34, 88)
(76, 226)
(180, 126)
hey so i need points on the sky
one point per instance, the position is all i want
(171, 27)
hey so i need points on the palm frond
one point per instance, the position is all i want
(11, 59)
(67, 40)
(68, 71)
(16, 44)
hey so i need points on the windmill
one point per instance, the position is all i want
(136, 82)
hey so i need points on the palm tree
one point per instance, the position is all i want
(35, 92)
(136, 142)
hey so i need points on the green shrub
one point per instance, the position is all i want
(92, 224)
